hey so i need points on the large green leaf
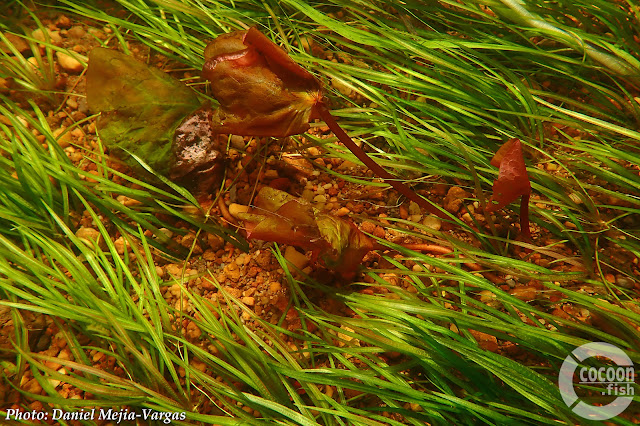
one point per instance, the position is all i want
(141, 107)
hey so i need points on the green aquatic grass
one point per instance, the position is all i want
(435, 89)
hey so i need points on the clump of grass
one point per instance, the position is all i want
(441, 85)
(31, 71)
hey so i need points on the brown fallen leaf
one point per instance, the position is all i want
(282, 218)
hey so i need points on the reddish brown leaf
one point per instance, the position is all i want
(293, 223)
(285, 67)
(282, 218)
(497, 158)
(512, 182)
(261, 91)
(347, 244)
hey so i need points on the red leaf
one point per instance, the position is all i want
(261, 91)
(282, 218)
(285, 67)
(512, 182)
(292, 224)
(347, 244)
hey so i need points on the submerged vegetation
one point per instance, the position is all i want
(123, 290)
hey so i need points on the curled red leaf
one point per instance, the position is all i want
(261, 90)
(512, 182)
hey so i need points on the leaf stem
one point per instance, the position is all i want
(375, 167)
(525, 231)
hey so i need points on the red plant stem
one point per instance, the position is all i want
(436, 249)
(375, 167)
(525, 231)
(431, 248)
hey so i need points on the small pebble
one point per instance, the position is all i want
(164, 231)
(404, 212)
(216, 242)
(174, 270)
(367, 227)
(576, 198)
(63, 21)
(432, 222)
(242, 259)
(68, 62)
(175, 290)
(237, 142)
(414, 209)
(17, 42)
(121, 245)
(485, 341)
(343, 211)
(454, 199)
(62, 137)
(415, 218)
(76, 32)
(193, 331)
(415, 406)
(319, 199)
(72, 103)
(182, 304)
(159, 272)
(198, 365)
(300, 165)
(296, 258)
(341, 86)
(232, 271)
(274, 286)
(380, 232)
(271, 174)
(90, 236)
(624, 282)
(50, 37)
(33, 386)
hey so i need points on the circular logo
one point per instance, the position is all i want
(614, 381)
